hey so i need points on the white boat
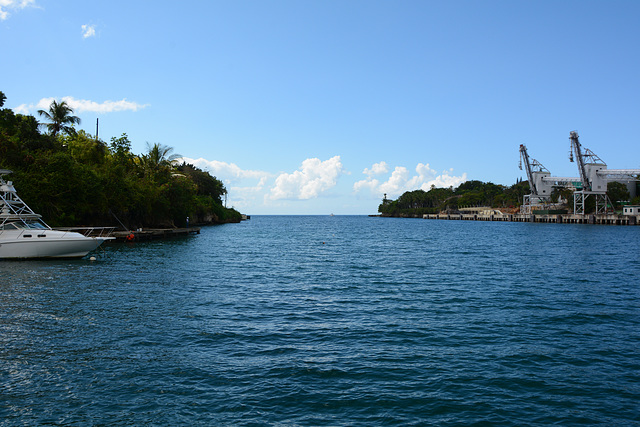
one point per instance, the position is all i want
(23, 234)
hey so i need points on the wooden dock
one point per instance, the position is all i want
(153, 233)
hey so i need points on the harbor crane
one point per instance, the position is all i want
(541, 183)
(594, 176)
(535, 172)
(593, 179)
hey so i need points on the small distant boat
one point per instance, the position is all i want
(23, 234)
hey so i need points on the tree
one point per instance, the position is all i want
(206, 184)
(60, 116)
(85, 148)
(120, 147)
(158, 156)
(617, 193)
(77, 179)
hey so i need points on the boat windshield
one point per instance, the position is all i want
(18, 225)
(35, 226)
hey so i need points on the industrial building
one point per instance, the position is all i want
(591, 182)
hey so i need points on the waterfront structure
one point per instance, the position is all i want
(541, 183)
(594, 176)
(547, 217)
(592, 182)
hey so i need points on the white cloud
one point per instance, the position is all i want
(401, 180)
(22, 109)
(445, 181)
(371, 184)
(397, 183)
(313, 177)
(376, 169)
(259, 191)
(13, 5)
(88, 31)
(83, 105)
(241, 196)
(230, 172)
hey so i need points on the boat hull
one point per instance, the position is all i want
(64, 245)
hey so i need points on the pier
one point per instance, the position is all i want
(604, 219)
(153, 233)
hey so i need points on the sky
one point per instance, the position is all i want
(319, 107)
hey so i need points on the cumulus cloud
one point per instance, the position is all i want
(402, 180)
(88, 31)
(376, 169)
(22, 109)
(312, 178)
(230, 172)
(371, 184)
(246, 187)
(13, 5)
(83, 105)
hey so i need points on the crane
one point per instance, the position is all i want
(592, 181)
(541, 183)
(594, 176)
(584, 161)
(529, 168)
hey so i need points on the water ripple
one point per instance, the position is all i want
(330, 321)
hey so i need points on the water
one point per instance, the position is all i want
(330, 321)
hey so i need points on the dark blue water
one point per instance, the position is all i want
(330, 321)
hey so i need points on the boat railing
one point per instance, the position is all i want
(89, 231)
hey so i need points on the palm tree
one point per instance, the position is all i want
(157, 156)
(59, 115)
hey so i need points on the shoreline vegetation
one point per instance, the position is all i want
(73, 178)
(414, 204)
(507, 199)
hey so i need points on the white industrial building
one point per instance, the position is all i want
(593, 179)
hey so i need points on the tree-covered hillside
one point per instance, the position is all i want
(469, 193)
(72, 178)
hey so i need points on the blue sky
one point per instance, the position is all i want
(318, 107)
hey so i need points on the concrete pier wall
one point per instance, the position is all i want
(605, 219)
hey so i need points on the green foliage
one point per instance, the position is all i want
(416, 202)
(206, 185)
(563, 195)
(121, 149)
(85, 148)
(76, 179)
(617, 193)
(469, 193)
(157, 159)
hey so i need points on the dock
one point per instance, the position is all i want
(153, 233)
(603, 219)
